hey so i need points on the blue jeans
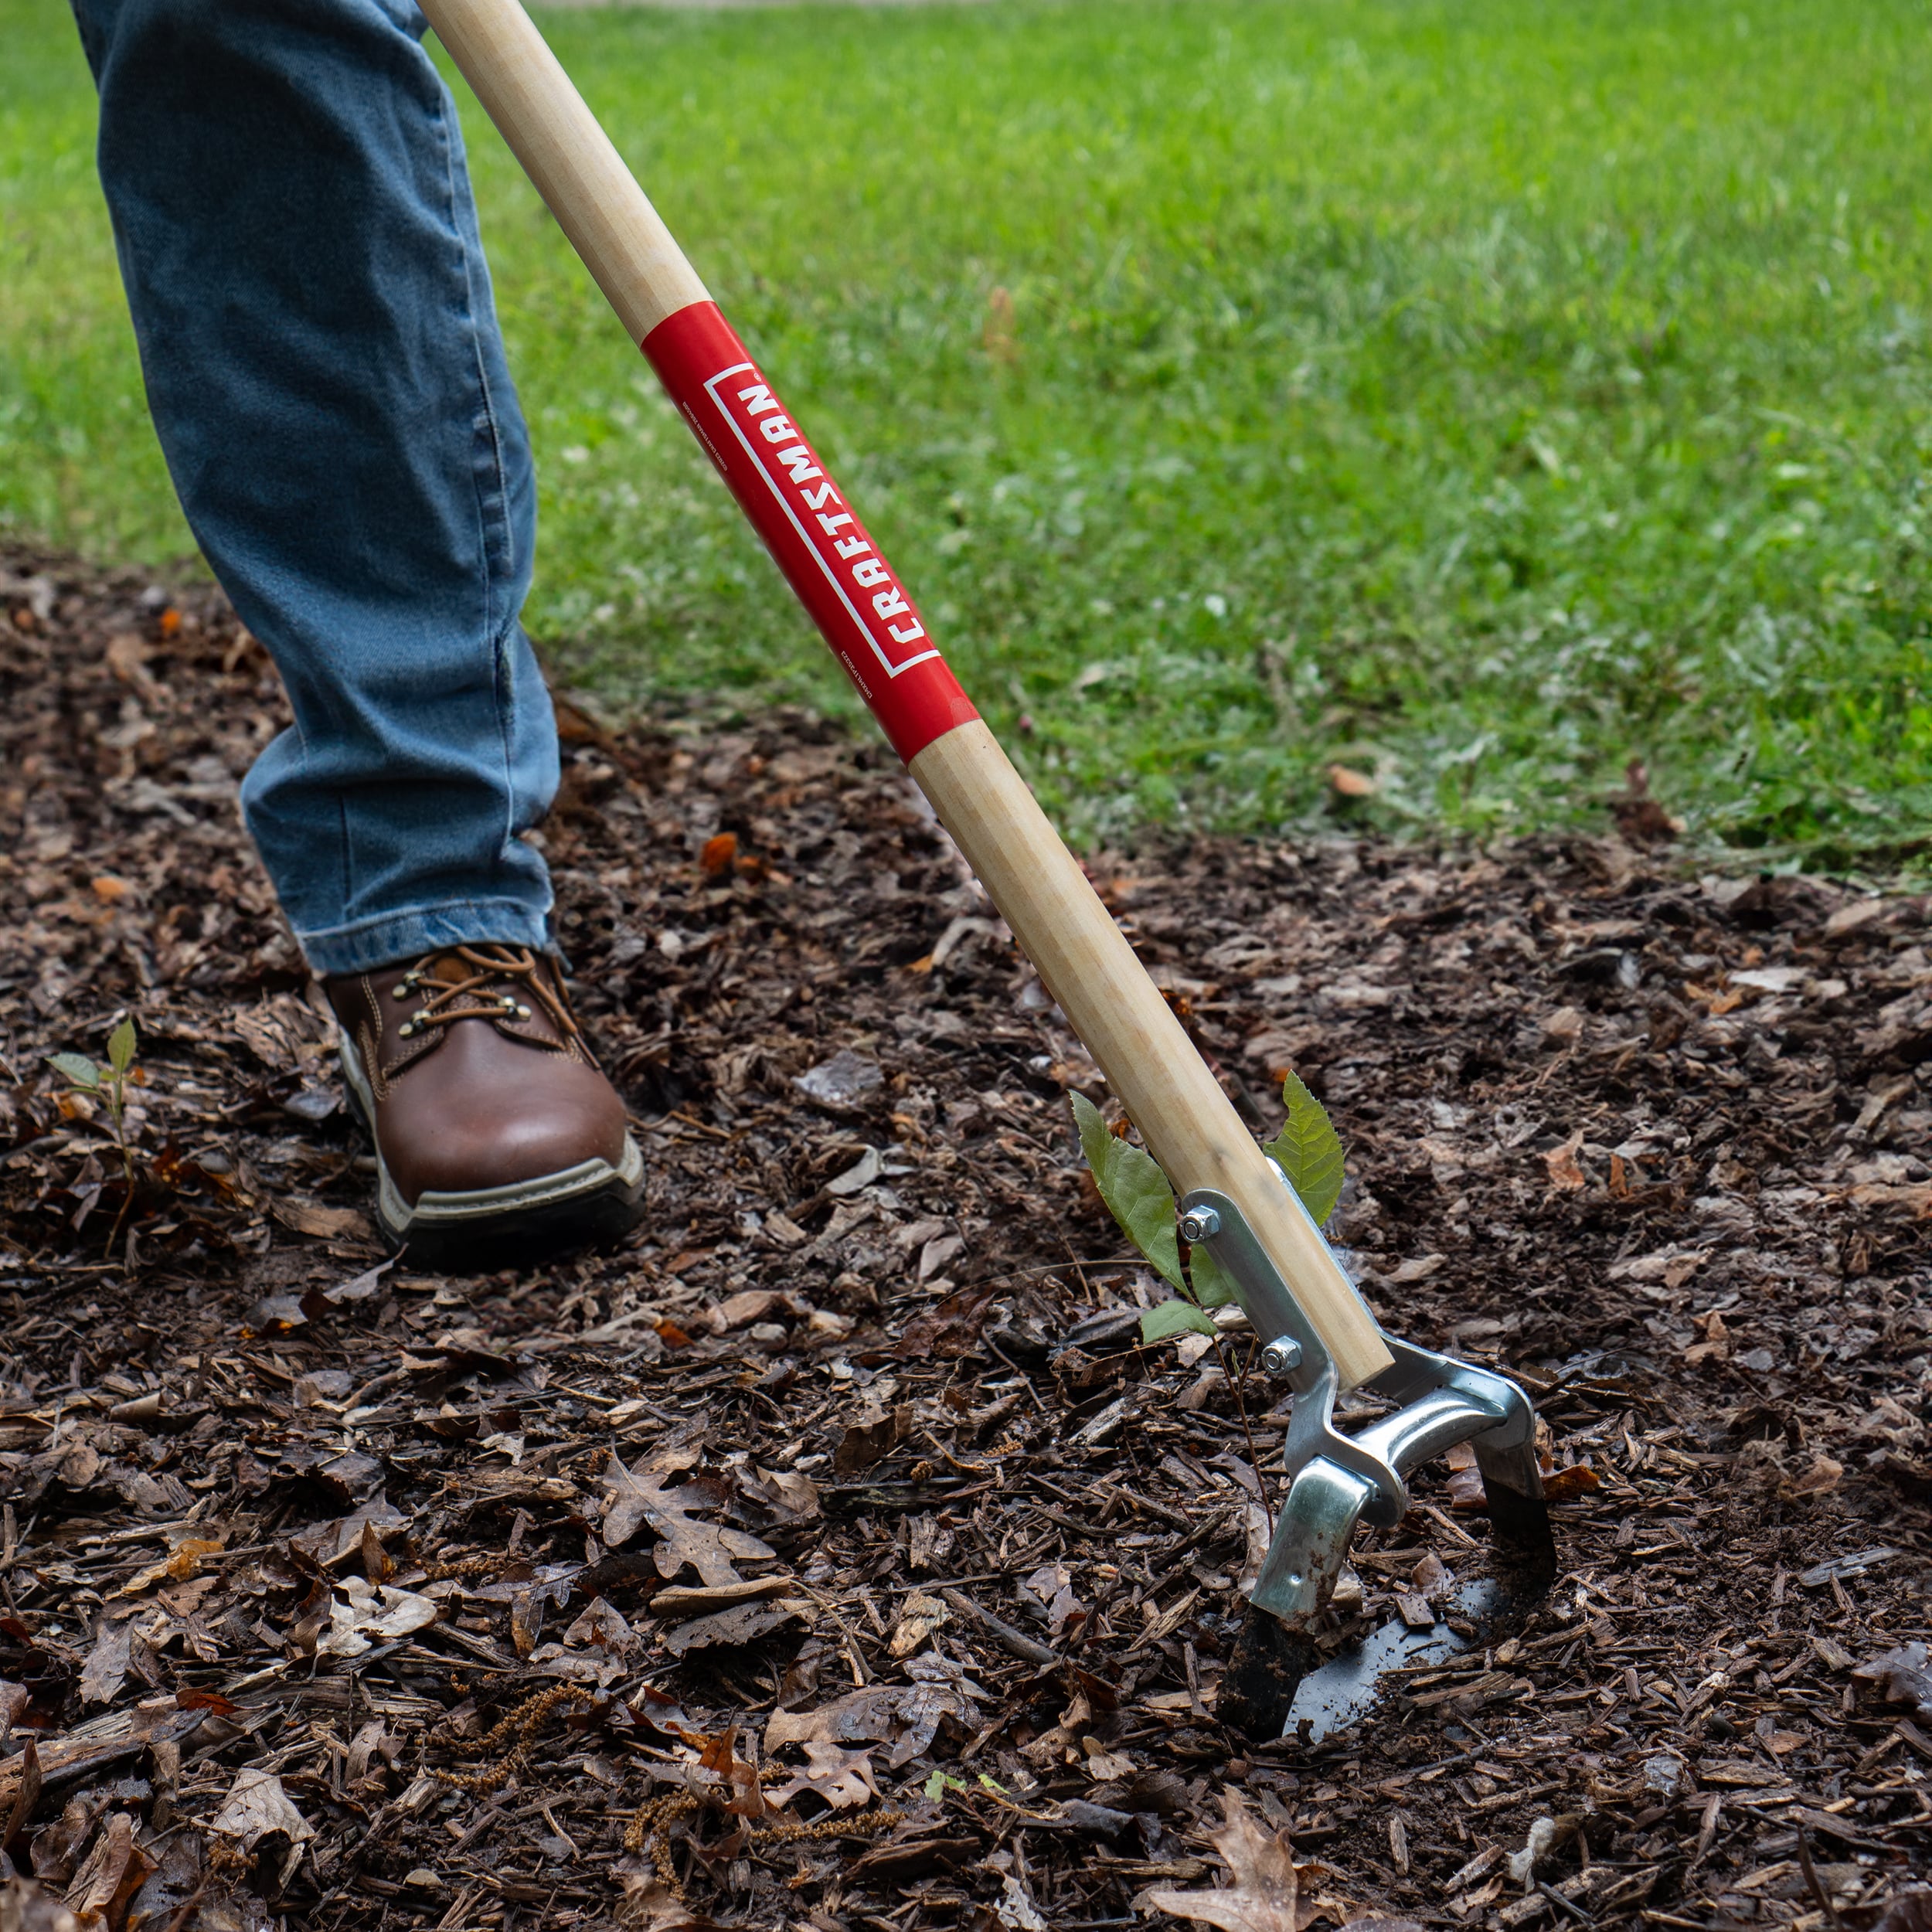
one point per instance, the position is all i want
(300, 248)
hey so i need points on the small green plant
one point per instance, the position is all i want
(1138, 1195)
(108, 1085)
(1308, 1150)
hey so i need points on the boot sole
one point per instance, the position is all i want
(485, 1229)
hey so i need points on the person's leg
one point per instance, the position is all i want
(301, 258)
(299, 244)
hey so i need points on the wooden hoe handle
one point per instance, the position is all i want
(876, 633)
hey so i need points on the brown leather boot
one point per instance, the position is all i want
(498, 1139)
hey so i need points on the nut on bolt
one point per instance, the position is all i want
(1199, 1224)
(1282, 1356)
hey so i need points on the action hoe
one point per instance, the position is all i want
(1318, 1334)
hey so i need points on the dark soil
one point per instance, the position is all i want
(327, 1604)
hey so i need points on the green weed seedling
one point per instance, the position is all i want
(1140, 1197)
(107, 1085)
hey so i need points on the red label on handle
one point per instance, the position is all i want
(853, 595)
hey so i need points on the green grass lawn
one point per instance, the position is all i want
(1479, 395)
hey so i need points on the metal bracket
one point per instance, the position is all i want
(1339, 1480)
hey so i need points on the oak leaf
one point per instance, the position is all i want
(1266, 1894)
(906, 1716)
(360, 1613)
(642, 1500)
(843, 1778)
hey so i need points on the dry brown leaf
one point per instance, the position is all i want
(377, 1565)
(649, 1905)
(843, 1778)
(112, 1874)
(908, 1715)
(325, 1223)
(1565, 1485)
(699, 1599)
(790, 1497)
(641, 1499)
(742, 1624)
(102, 1674)
(720, 1758)
(1823, 1476)
(372, 1741)
(1351, 783)
(1102, 1764)
(255, 1806)
(1565, 1173)
(362, 1613)
(595, 1649)
(870, 1441)
(1265, 1896)
(921, 1616)
(1902, 1676)
(329, 1543)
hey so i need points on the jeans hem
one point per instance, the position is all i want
(371, 945)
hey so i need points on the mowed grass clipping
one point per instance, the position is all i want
(1476, 396)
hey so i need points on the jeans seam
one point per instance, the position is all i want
(498, 523)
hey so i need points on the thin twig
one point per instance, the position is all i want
(1563, 1904)
(1024, 1382)
(1817, 1892)
(1022, 1646)
(1241, 1408)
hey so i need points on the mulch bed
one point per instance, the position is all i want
(832, 1555)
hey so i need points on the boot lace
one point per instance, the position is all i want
(497, 983)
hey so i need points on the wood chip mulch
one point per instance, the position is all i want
(832, 1555)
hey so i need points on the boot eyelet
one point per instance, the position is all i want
(523, 1012)
(405, 1029)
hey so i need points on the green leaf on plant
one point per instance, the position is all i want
(121, 1046)
(1308, 1150)
(1167, 1318)
(1135, 1190)
(939, 1784)
(1213, 1286)
(76, 1069)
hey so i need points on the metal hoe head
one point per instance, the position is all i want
(1338, 1480)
